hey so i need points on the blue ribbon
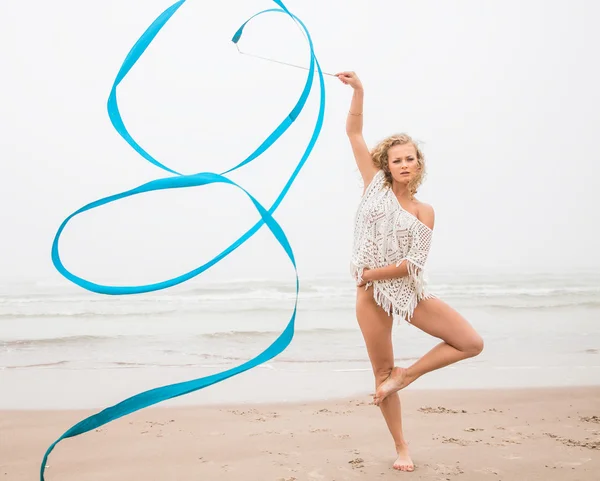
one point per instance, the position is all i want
(178, 180)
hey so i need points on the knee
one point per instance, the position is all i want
(381, 374)
(474, 346)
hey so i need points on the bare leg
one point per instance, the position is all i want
(460, 341)
(376, 327)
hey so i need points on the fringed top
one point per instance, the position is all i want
(384, 234)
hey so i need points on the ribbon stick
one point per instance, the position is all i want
(278, 61)
(178, 180)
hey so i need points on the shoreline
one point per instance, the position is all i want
(63, 389)
(453, 394)
(477, 434)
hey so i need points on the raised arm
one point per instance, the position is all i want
(354, 127)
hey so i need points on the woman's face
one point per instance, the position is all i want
(403, 163)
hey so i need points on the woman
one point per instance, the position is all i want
(392, 236)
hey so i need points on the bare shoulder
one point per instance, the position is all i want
(426, 214)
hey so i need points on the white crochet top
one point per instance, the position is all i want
(384, 234)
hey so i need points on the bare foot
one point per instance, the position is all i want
(403, 463)
(396, 381)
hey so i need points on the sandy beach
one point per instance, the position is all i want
(143, 143)
(526, 434)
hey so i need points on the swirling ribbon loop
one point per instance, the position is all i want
(178, 180)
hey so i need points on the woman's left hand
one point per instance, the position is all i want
(364, 278)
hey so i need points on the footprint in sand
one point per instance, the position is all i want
(440, 410)
(319, 430)
(494, 471)
(460, 442)
(238, 412)
(512, 440)
(327, 411)
(260, 417)
(447, 470)
(575, 443)
(591, 419)
(581, 444)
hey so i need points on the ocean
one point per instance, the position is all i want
(64, 347)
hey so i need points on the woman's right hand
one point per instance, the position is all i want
(350, 78)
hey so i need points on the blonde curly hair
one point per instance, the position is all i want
(380, 158)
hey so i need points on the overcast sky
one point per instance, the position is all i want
(503, 96)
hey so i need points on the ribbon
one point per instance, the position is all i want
(178, 180)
